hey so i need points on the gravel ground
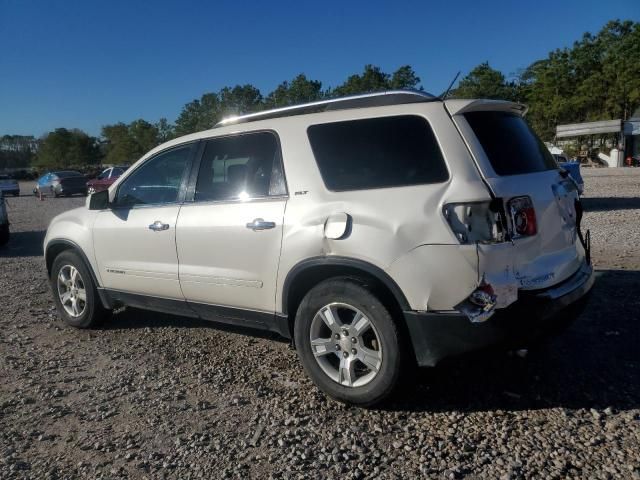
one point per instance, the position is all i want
(158, 396)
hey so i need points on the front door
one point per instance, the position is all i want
(229, 236)
(135, 239)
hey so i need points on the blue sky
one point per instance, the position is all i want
(84, 64)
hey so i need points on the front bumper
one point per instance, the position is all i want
(536, 313)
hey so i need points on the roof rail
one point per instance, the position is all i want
(376, 99)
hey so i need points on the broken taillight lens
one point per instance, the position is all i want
(475, 222)
(523, 217)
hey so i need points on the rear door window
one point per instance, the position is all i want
(377, 153)
(240, 167)
(509, 143)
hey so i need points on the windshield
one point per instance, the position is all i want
(509, 143)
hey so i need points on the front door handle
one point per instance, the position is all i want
(260, 224)
(158, 226)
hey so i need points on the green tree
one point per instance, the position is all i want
(204, 113)
(144, 134)
(598, 78)
(17, 151)
(485, 82)
(373, 79)
(125, 144)
(166, 131)
(299, 90)
(404, 78)
(67, 148)
(239, 100)
(189, 119)
(120, 148)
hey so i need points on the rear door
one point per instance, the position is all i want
(229, 236)
(515, 163)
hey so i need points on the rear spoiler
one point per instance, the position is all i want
(458, 107)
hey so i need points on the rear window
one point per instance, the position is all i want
(377, 153)
(509, 143)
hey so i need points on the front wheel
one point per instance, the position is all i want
(74, 292)
(348, 342)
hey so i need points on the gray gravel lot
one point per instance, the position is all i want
(150, 395)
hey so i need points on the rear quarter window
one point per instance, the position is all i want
(509, 143)
(377, 153)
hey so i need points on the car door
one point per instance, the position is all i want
(134, 239)
(229, 235)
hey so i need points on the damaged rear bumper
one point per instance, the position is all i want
(536, 313)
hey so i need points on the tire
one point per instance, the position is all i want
(379, 342)
(89, 312)
(5, 235)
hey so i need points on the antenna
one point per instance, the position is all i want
(446, 92)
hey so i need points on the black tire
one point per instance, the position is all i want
(93, 312)
(353, 293)
(5, 235)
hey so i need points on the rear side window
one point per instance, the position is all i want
(509, 143)
(240, 167)
(377, 153)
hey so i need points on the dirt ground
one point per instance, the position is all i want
(151, 395)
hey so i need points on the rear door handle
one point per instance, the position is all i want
(260, 224)
(158, 226)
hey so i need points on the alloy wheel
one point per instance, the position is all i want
(346, 345)
(71, 291)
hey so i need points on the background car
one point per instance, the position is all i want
(105, 179)
(4, 221)
(9, 185)
(63, 182)
(573, 167)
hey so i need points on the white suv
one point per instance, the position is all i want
(374, 231)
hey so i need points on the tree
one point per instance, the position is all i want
(404, 78)
(239, 100)
(17, 151)
(299, 90)
(189, 118)
(124, 144)
(166, 131)
(144, 135)
(372, 79)
(598, 78)
(67, 148)
(204, 113)
(485, 82)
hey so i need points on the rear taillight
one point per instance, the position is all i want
(475, 222)
(523, 217)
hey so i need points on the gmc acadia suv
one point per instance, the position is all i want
(374, 231)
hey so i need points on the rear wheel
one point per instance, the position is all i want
(348, 343)
(74, 292)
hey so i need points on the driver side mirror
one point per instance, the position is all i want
(99, 200)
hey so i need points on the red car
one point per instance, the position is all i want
(105, 179)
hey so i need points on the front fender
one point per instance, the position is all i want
(72, 229)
